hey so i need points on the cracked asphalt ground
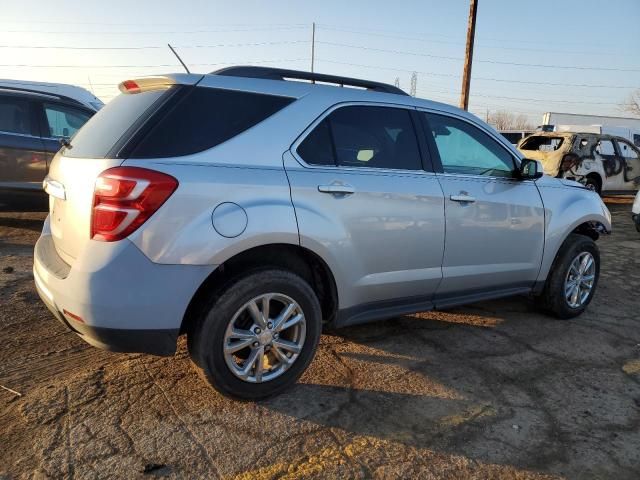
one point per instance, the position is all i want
(493, 390)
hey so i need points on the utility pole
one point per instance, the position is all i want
(414, 84)
(468, 58)
(313, 44)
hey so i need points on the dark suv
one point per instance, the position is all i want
(32, 123)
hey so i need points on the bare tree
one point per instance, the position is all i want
(504, 120)
(632, 104)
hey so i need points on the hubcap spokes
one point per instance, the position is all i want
(580, 279)
(264, 337)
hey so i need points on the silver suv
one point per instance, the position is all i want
(248, 211)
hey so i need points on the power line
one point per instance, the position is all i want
(497, 62)
(163, 65)
(451, 75)
(173, 24)
(157, 32)
(502, 40)
(153, 47)
(444, 42)
(533, 99)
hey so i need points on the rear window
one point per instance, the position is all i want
(542, 143)
(204, 118)
(104, 130)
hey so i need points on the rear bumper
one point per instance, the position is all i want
(154, 342)
(114, 297)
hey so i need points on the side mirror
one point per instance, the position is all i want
(530, 169)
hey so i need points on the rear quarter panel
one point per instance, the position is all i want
(182, 231)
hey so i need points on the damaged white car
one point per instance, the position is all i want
(603, 163)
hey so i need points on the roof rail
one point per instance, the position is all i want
(283, 74)
(40, 93)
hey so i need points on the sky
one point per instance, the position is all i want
(531, 57)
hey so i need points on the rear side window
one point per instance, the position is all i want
(63, 121)
(363, 136)
(14, 116)
(317, 148)
(204, 118)
(106, 128)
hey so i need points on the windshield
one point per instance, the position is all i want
(542, 143)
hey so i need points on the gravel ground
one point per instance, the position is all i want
(493, 390)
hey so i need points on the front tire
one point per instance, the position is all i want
(257, 336)
(573, 278)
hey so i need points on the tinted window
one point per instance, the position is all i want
(317, 148)
(14, 115)
(377, 137)
(101, 133)
(374, 137)
(204, 118)
(513, 137)
(64, 121)
(466, 149)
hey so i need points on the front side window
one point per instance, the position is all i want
(14, 116)
(465, 149)
(364, 136)
(63, 121)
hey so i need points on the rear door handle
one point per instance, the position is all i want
(337, 189)
(462, 198)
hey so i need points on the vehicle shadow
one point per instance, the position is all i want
(25, 223)
(461, 382)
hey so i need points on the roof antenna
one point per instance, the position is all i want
(178, 57)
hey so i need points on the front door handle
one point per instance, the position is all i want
(463, 198)
(337, 189)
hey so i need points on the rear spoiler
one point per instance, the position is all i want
(145, 84)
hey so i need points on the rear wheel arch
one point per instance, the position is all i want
(299, 260)
(595, 180)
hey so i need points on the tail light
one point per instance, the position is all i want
(124, 198)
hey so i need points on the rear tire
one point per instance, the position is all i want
(558, 294)
(233, 310)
